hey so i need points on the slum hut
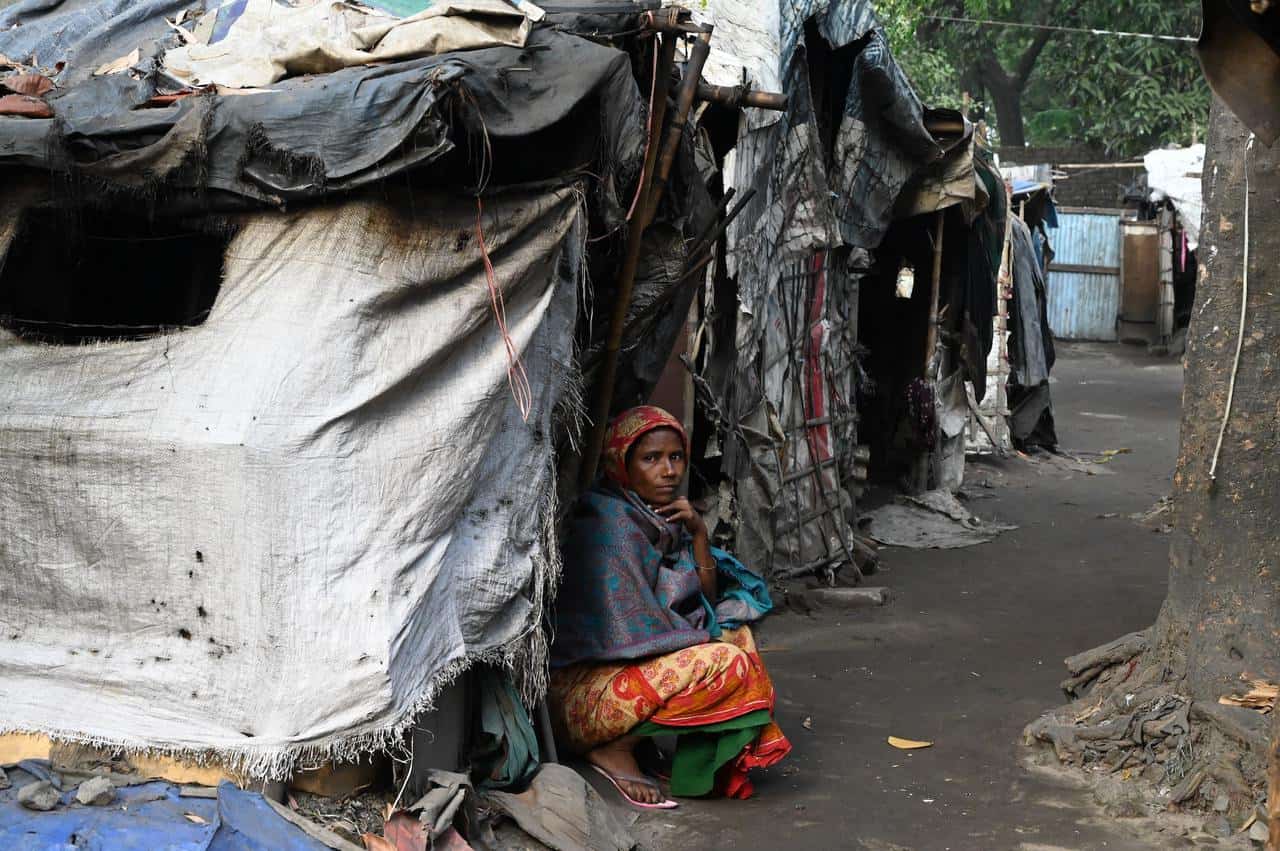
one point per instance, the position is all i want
(1124, 239)
(306, 305)
(292, 301)
(778, 356)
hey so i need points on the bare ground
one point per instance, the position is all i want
(970, 651)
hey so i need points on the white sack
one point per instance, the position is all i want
(276, 535)
(270, 42)
(1175, 174)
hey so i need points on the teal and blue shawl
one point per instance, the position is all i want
(630, 587)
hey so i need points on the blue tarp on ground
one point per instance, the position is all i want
(145, 817)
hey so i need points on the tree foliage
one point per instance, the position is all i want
(1047, 87)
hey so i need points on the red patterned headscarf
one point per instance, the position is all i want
(628, 427)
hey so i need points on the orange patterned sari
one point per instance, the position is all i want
(707, 684)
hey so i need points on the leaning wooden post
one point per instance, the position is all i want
(641, 218)
(921, 472)
(935, 287)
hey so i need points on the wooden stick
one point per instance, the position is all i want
(739, 96)
(648, 207)
(1273, 784)
(935, 282)
(627, 275)
(317, 832)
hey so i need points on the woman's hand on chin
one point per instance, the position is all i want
(679, 510)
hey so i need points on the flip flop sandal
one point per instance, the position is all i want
(643, 781)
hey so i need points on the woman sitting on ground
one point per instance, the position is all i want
(638, 650)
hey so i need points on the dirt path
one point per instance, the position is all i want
(969, 652)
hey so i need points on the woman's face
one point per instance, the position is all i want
(656, 466)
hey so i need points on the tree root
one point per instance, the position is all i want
(1090, 665)
(1130, 718)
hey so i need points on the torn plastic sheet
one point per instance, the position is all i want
(144, 817)
(349, 507)
(934, 520)
(816, 197)
(1175, 174)
(563, 812)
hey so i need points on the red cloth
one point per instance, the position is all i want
(628, 427)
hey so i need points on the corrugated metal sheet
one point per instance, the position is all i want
(1084, 302)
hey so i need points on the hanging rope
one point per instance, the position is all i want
(648, 129)
(982, 22)
(1244, 305)
(517, 378)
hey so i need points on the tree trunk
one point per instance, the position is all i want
(1223, 609)
(1221, 618)
(1006, 97)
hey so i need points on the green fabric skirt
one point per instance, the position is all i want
(701, 751)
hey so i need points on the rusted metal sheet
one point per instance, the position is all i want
(1084, 305)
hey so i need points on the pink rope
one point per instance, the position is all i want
(517, 378)
(648, 129)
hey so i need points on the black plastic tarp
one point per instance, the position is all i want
(305, 136)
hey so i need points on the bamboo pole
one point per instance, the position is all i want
(920, 473)
(935, 285)
(651, 195)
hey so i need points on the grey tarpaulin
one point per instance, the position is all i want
(810, 197)
(933, 520)
(278, 534)
(262, 147)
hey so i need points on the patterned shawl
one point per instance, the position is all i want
(630, 586)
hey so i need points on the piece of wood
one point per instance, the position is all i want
(15, 747)
(935, 286)
(328, 780)
(197, 792)
(1261, 695)
(338, 780)
(849, 598)
(310, 828)
(653, 177)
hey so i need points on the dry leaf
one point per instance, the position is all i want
(124, 63)
(26, 107)
(31, 85)
(908, 744)
(807, 723)
(1261, 696)
(373, 842)
(195, 819)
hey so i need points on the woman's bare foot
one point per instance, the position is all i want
(618, 760)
